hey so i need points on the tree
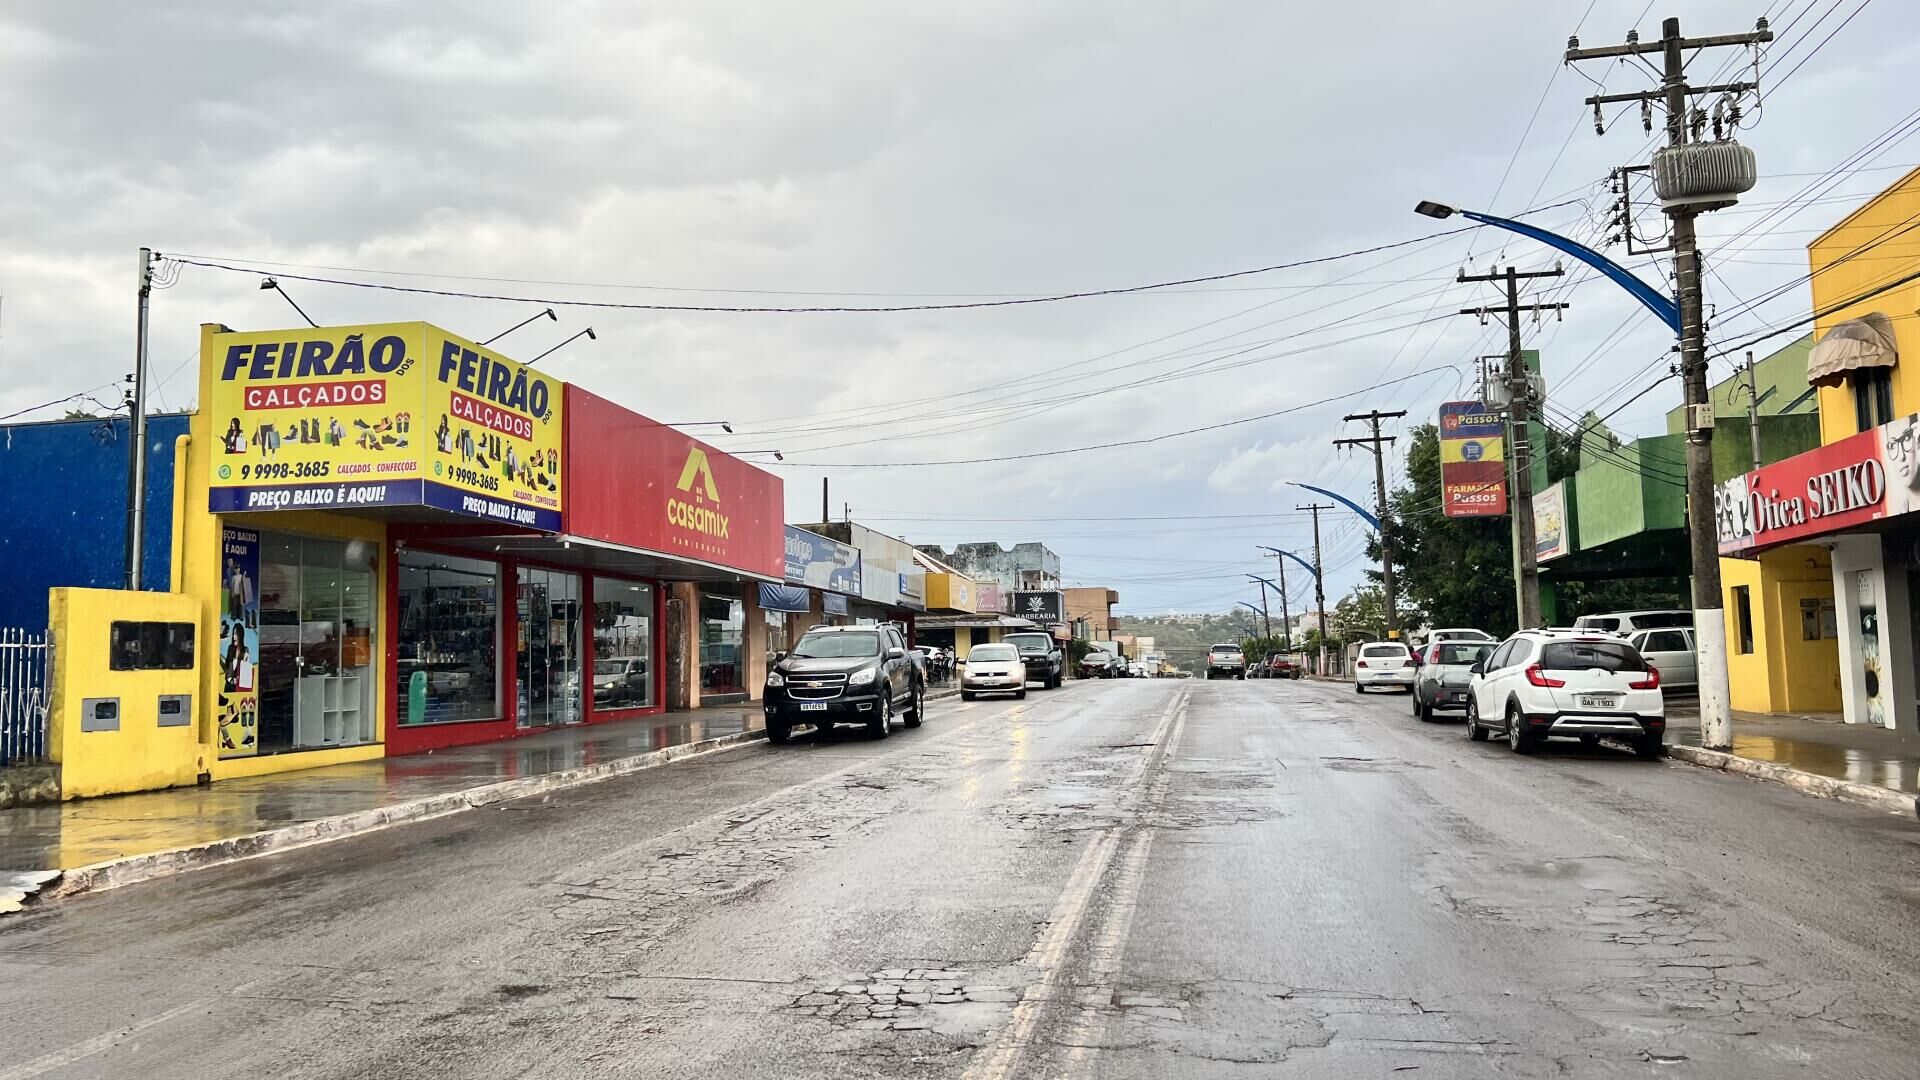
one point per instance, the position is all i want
(1361, 615)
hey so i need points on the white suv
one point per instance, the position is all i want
(1383, 663)
(1226, 661)
(1542, 683)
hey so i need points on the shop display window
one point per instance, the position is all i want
(547, 656)
(449, 638)
(723, 623)
(622, 644)
(311, 683)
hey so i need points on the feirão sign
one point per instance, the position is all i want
(394, 414)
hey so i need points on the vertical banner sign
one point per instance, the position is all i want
(393, 414)
(238, 707)
(1552, 536)
(1473, 460)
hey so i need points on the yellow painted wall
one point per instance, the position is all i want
(950, 592)
(1838, 277)
(962, 642)
(141, 755)
(1784, 673)
(196, 559)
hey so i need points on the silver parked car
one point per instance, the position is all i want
(1445, 669)
(1671, 653)
(994, 668)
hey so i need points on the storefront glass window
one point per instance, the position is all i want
(449, 616)
(548, 657)
(723, 621)
(622, 644)
(316, 633)
(776, 632)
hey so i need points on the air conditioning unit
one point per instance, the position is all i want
(1703, 175)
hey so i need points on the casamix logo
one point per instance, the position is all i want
(696, 479)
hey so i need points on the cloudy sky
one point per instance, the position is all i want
(884, 154)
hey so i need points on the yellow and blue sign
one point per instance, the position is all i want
(1473, 460)
(389, 414)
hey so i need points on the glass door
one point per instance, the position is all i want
(548, 653)
(315, 672)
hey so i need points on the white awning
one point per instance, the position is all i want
(1866, 342)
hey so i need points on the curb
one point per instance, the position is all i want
(135, 868)
(1885, 800)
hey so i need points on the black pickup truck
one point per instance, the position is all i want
(1042, 656)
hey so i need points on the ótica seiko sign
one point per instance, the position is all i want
(1828, 489)
(390, 414)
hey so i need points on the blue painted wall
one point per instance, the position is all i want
(63, 505)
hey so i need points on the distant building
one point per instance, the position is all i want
(1094, 607)
(1027, 566)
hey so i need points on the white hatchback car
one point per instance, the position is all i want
(1383, 663)
(994, 668)
(1543, 683)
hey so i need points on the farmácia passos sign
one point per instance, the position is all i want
(1828, 489)
(391, 414)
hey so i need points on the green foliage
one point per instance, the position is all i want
(1184, 639)
(1259, 648)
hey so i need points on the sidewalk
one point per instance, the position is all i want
(1821, 745)
(90, 832)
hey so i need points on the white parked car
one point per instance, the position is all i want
(1383, 663)
(1626, 622)
(993, 669)
(1544, 683)
(1671, 652)
(1460, 633)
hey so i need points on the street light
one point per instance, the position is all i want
(547, 314)
(587, 333)
(1653, 299)
(269, 283)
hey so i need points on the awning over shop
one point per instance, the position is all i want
(1866, 342)
(599, 556)
(975, 622)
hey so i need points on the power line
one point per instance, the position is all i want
(830, 309)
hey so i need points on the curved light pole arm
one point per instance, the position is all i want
(1291, 555)
(1655, 301)
(1365, 514)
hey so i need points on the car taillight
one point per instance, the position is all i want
(1538, 677)
(1359, 663)
(1408, 662)
(1651, 682)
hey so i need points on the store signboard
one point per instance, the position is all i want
(1473, 460)
(388, 414)
(1046, 608)
(822, 563)
(785, 597)
(636, 482)
(1552, 534)
(1842, 485)
(834, 604)
(987, 597)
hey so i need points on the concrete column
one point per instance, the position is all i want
(753, 650)
(682, 639)
(1860, 592)
(962, 642)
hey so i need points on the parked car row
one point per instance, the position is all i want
(1276, 666)
(1601, 678)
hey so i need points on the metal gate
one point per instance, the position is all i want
(23, 696)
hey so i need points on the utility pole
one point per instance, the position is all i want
(1319, 580)
(1265, 620)
(137, 429)
(1286, 617)
(1702, 176)
(1753, 413)
(826, 511)
(1519, 414)
(1374, 443)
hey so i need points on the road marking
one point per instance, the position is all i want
(86, 1048)
(1002, 1058)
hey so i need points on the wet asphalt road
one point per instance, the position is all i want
(1133, 879)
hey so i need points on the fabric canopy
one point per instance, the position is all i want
(1866, 342)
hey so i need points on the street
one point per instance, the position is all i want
(1129, 879)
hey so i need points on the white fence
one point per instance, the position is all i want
(23, 696)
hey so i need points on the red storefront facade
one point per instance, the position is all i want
(659, 532)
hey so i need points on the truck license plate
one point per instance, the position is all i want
(813, 706)
(1598, 701)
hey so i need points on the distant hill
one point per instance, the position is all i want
(1184, 638)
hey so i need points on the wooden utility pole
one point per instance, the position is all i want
(1519, 414)
(1686, 124)
(1376, 442)
(1319, 580)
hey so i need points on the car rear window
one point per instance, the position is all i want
(1225, 649)
(1594, 622)
(1384, 650)
(1459, 652)
(1659, 619)
(1582, 655)
(1030, 642)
